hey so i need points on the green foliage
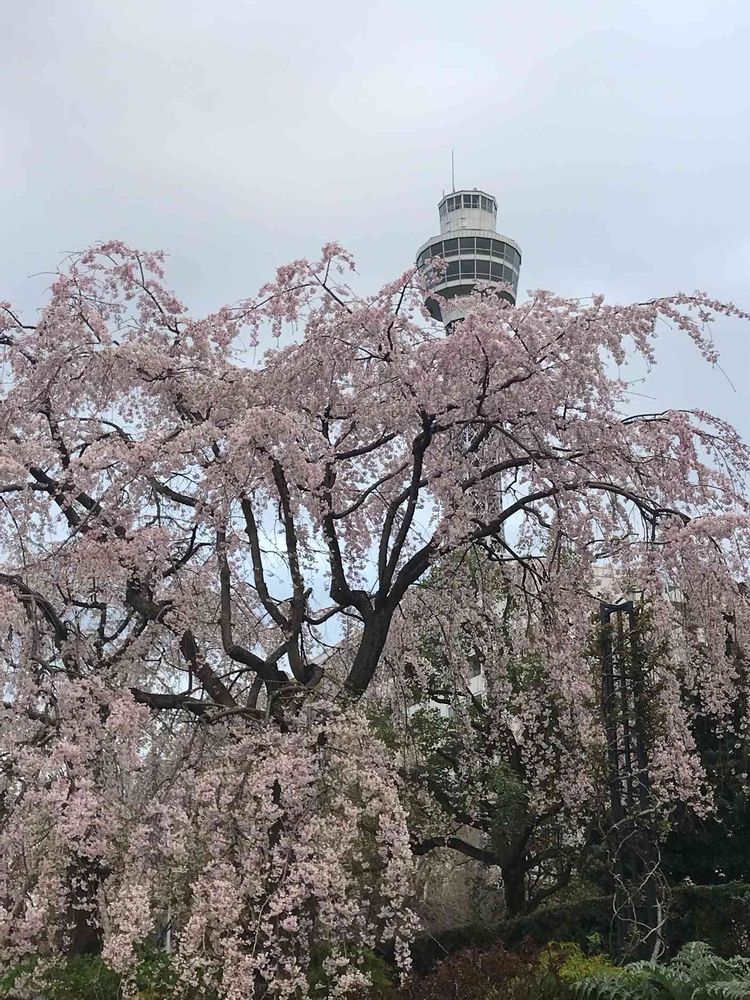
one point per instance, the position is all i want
(717, 914)
(574, 964)
(500, 973)
(380, 973)
(715, 849)
(82, 977)
(13, 976)
(87, 977)
(441, 743)
(575, 922)
(383, 724)
(496, 974)
(156, 978)
(695, 973)
(566, 971)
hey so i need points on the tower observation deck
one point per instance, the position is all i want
(472, 250)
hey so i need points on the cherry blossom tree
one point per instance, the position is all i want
(473, 720)
(501, 764)
(191, 518)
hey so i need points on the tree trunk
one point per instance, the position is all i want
(82, 934)
(369, 651)
(514, 886)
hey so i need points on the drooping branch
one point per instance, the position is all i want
(31, 598)
(428, 844)
(256, 557)
(267, 671)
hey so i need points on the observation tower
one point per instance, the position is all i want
(473, 251)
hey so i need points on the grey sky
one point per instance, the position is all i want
(237, 135)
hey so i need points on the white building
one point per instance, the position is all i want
(473, 252)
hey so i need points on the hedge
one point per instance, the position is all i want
(716, 914)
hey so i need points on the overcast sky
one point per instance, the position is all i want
(237, 135)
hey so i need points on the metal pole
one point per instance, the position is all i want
(631, 837)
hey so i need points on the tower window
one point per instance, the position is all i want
(483, 244)
(450, 248)
(475, 201)
(497, 248)
(483, 269)
(496, 271)
(436, 250)
(467, 243)
(452, 271)
(467, 269)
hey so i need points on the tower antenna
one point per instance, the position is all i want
(453, 173)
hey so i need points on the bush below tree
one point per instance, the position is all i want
(716, 914)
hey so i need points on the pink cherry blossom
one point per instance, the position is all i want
(185, 535)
